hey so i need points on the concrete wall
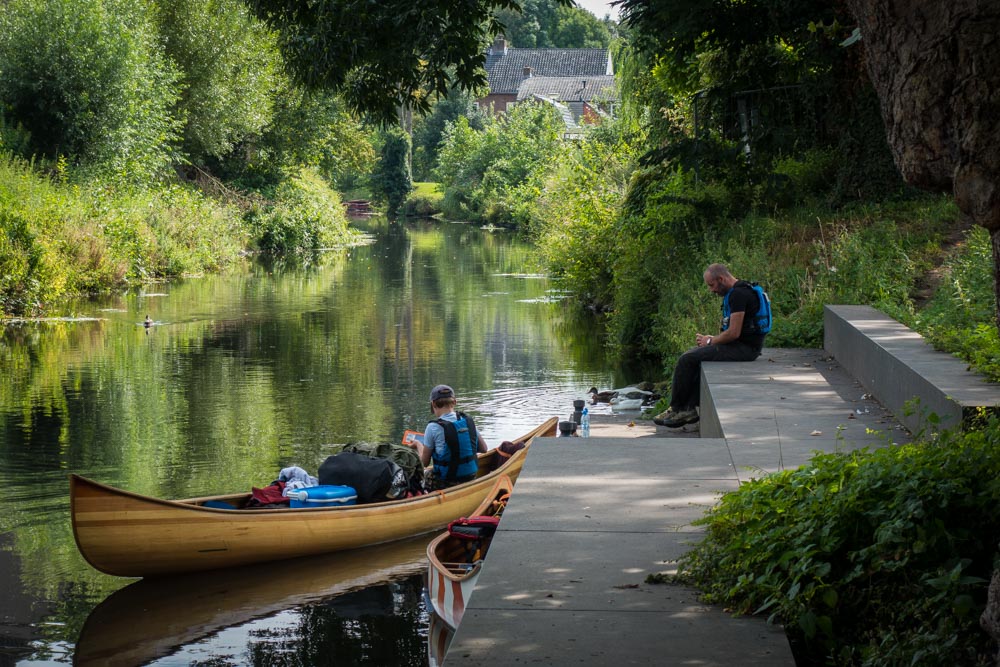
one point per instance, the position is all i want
(903, 371)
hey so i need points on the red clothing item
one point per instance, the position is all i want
(269, 495)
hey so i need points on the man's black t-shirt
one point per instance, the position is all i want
(742, 299)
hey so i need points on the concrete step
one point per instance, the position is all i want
(897, 365)
(776, 411)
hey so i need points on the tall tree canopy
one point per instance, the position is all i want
(230, 69)
(546, 24)
(771, 74)
(386, 54)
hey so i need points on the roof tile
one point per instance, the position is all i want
(505, 69)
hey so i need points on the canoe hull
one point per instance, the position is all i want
(451, 577)
(131, 535)
(450, 596)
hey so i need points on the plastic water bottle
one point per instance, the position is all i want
(585, 424)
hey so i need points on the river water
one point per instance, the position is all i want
(237, 377)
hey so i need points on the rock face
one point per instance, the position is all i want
(990, 620)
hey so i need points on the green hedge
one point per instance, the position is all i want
(876, 557)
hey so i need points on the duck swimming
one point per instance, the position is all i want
(601, 396)
(148, 322)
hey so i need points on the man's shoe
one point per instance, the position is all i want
(662, 418)
(681, 418)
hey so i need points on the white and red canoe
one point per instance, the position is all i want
(455, 561)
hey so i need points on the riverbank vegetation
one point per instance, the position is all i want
(142, 141)
(877, 557)
(760, 148)
(745, 133)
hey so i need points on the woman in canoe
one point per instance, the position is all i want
(451, 441)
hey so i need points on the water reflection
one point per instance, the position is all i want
(245, 374)
(320, 610)
(439, 636)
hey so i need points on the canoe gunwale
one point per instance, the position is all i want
(190, 503)
(503, 482)
(449, 591)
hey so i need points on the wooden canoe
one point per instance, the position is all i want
(131, 535)
(454, 564)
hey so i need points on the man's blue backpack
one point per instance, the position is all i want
(761, 323)
(762, 320)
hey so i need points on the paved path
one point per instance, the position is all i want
(564, 582)
(590, 518)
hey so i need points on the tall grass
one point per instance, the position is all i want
(960, 317)
(59, 238)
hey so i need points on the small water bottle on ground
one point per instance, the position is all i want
(585, 424)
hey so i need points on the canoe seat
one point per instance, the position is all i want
(459, 568)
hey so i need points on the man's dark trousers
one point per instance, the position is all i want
(685, 391)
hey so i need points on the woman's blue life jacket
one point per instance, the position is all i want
(460, 461)
(756, 322)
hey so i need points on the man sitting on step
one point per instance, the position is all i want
(740, 339)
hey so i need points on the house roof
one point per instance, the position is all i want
(568, 88)
(573, 129)
(567, 115)
(505, 65)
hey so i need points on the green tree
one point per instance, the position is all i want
(391, 178)
(769, 76)
(495, 174)
(86, 79)
(551, 24)
(309, 129)
(428, 130)
(385, 55)
(230, 68)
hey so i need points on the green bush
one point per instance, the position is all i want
(310, 129)
(574, 219)
(14, 138)
(428, 130)
(869, 558)
(59, 240)
(304, 216)
(87, 79)
(27, 277)
(496, 175)
(424, 201)
(796, 180)
(230, 69)
(188, 232)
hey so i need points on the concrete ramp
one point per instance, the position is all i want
(776, 411)
(564, 581)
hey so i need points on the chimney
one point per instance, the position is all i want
(527, 72)
(499, 46)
